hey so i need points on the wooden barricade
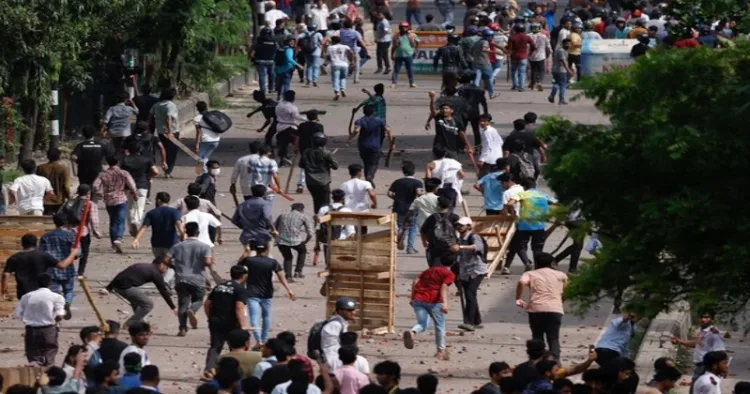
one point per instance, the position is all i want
(20, 375)
(497, 230)
(363, 267)
(12, 228)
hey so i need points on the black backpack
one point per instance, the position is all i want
(72, 210)
(217, 121)
(307, 43)
(315, 340)
(335, 230)
(280, 57)
(443, 235)
(484, 246)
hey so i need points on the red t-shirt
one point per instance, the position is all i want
(428, 288)
(520, 45)
(492, 55)
(599, 28)
(687, 43)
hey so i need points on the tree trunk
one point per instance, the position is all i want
(30, 108)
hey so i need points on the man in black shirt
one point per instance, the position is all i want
(474, 96)
(88, 155)
(225, 308)
(128, 282)
(449, 129)
(523, 139)
(28, 264)
(453, 60)
(111, 347)
(403, 192)
(262, 53)
(142, 169)
(526, 372)
(435, 255)
(268, 109)
(318, 163)
(144, 102)
(260, 270)
(148, 141)
(303, 141)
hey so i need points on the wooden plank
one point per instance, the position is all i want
(324, 219)
(365, 263)
(322, 274)
(370, 222)
(500, 255)
(382, 236)
(379, 294)
(357, 215)
(384, 220)
(349, 247)
(384, 275)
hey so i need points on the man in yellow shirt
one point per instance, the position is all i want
(640, 28)
(574, 52)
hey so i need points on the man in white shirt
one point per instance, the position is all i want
(340, 56)
(288, 118)
(426, 204)
(708, 339)
(330, 336)
(272, 14)
(203, 219)
(339, 197)
(358, 191)
(492, 145)
(264, 171)
(140, 333)
(512, 190)
(40, 310)
(319, 15)
(29, 190)
(241, 173)
(206, 139)
(717, 367)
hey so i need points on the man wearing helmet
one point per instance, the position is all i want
(467, 43)
(330, 341)
(404, 50)
(539, 56)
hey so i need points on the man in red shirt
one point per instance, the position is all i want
(429, 298)
(519, 45)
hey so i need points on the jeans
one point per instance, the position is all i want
(446, 11)
(139, 300)
(171, 150)
(286, 252)
(411, 235)
(204, 151)
(355, 71)
(496, 68)
(136, 208)
(547, 324)
(560, 81)
(283, 83)
(520, 242)
(2, 207)
(217, 341)
(469, 288)
(414, 12)
(266, 70)
(381, 55)
(189, 297)
(537, 72)
(338, 77)
(370, 162)
(424, 312)
(260, 308)
(117, 216)
(66, 286)
(407, 61)
(301, 177)
(485, 74)
(83, 259)
(321, 195)
(518, 72)
(312, 68)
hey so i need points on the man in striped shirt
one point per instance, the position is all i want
(112, 186)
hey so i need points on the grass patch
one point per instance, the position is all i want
(10, 175)
(640, 332)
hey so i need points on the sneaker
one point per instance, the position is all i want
(505, 271)
(413, 85)
(133, 229)
(442, 355)
(148, 201)
(299, 275)
(68, 314)
(563, 103)
(412, 251)
(315, 84)
(300, 190)
(117, 246)
(527, 267)
(408, 339)
(466, 327)
(514, 88)
(192, 319)
(343, 93)
(387, 71)
(286, 161)
(393, 86)
(307, 85)
(539, 87)
(478, 326)
(378, 71)
(290, 279)
(521, 89)
(336, 97)
(495, 95)
(551, 99)
(182, 333)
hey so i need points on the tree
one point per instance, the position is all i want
(665, 185)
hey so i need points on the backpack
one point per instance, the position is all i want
(315, 340)
(279, 58)
(443, 235)
(485, 246)
(217, 121)
(335, 230)
(525, 165)
(72, 210)
(307, 44)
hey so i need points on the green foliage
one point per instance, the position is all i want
(665, 185)
(691, 13)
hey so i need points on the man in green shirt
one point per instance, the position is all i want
(404, 50)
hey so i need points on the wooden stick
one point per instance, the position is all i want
(295, 163)
(466, 208)
(473, 161)
(82, 224)
(279, 192)
(187, 151)
(102, 323)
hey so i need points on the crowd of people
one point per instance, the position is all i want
(185, 231)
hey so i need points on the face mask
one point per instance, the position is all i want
(215, 171)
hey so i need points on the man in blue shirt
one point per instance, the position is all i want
(614, 341)
(59, 243)
(285, 64)
(491, 188)
(166, 223)
(253, 217)
(370, 130)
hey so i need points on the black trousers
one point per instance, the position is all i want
(171, 150)
(537, 72)
(604, 356)
(574, 251)
(449, 79)
(520, 243)
(492, 211)
(40, 344)
(576, 59)
(218, 339)
(283, 139)
(286, 252)
(382, 56)
(547, 324)
(469, 290)
(51, 209)
(87, 178)
(84, 258)
(370, 162)
(474, 120)
(321, 195)
(270, 134)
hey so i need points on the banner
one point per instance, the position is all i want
(605, 55)
(429, 42)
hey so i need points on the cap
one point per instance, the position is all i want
(535, 26)
(346, 303)
(487, 32)
(404, 24)
(312, 27)
(494, 26)
(465, 221)
(578, 25)
(258, 246)
(472, 29)
(620, 19)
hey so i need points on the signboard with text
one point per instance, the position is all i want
(429, 42)
(600, 56)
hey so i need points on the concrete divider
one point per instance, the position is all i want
(656, 342)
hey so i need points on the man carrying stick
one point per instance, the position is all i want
(128, 284)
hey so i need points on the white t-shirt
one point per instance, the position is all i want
(273, 15)
(133, 349)
(348, 230)
(564, 33)
(262, 169)
(356, 194)
(281, 388)
(339, 55)
(30, 191)
(707, 383)
(447, 171)
(204, 220)
(207, 135)
(511, 194)
(492, 145)
(241, 175)
(319, 17)
(362, 365)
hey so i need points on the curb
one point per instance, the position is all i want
(656, 342)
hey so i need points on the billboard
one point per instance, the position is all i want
(605, 55)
